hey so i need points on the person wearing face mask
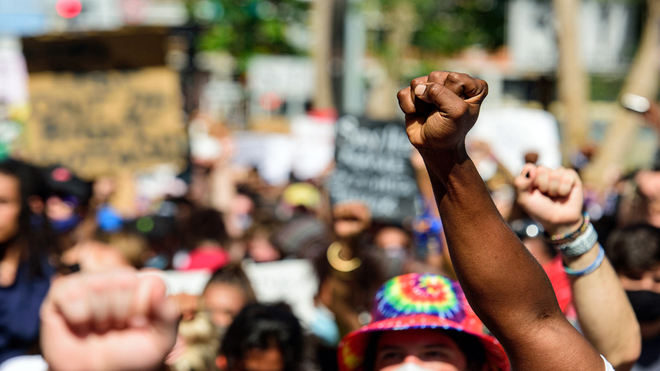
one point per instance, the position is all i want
(635, 255)
(421, 322)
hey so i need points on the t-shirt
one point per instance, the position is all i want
(19, 311)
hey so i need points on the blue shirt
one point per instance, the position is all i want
(19, 311)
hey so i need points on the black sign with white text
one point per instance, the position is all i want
(373, 166)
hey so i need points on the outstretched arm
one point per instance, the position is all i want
(505, 285)
(555, 198)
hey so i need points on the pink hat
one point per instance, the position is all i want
(419, 301)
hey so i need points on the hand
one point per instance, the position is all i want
(107, 321)
(553, 197)
(441, 108)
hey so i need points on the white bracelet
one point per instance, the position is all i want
(580, 245)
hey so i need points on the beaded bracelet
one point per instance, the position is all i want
(558, 239)
(589, 269)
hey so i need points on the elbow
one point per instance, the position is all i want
(628, 351)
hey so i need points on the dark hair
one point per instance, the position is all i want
(34, 236)
(204, 225)
(260, 326)
(233, 274)
(474, 351)
(634, 249)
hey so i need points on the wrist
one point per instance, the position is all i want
(441, 161)
(564, 228)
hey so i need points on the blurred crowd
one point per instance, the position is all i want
(54, 224)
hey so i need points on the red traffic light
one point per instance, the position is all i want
(68, 8)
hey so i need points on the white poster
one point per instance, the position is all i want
(291, 281)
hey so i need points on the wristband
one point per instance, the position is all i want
(558, 239)
(589, 269)
(580, 245)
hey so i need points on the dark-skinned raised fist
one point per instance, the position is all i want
(441, 108)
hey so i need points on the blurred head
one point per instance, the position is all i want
(10, 206)
(22, 190)
(634, 252)
(67, 200)
(226, 294)
(206, 226)
(263, 338)
(258, 241)
(351, 218)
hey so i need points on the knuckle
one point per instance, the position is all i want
(401, 95)
(437, 75)
(455, 77)
(435, 90)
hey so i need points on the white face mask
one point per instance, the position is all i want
(412, 367)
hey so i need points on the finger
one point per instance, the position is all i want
(120, 305)
(542, 179)
(420, 105)
(465, 86)
(524, 182)
(69, 299)
(569, 180)
(554, 180)
(141, 301)
(100, 300)
(444, 99)
(406, 101)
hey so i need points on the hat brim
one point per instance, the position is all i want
(354, 345)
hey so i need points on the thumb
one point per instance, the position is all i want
(524, 182)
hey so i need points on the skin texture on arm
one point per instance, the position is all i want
(114, 321)
(505, 285)
(555, 198)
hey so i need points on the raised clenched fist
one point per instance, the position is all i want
(107, 321)
(441, 108)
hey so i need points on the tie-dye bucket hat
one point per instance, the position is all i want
(419, 301)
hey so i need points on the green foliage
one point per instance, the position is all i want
(244, 28)
(449, 26)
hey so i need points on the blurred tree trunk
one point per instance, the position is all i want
(400, 21)
(642, 80)
(572, 79)
(321, 24)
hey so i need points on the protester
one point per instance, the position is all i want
(205, 240)
(426, 319)
(635, 255)
(25, 272)
(502, 281)
(226, 294)
(555, 198)
(263, 338)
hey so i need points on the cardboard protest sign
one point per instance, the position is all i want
(99, 122)
(373, 165)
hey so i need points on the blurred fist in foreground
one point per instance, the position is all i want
(107, 321)
(441, 108)
(553, 197)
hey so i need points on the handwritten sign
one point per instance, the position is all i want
(99, 122)
(373, 165)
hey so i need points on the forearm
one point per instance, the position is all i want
(604, 312)
(499, 276)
